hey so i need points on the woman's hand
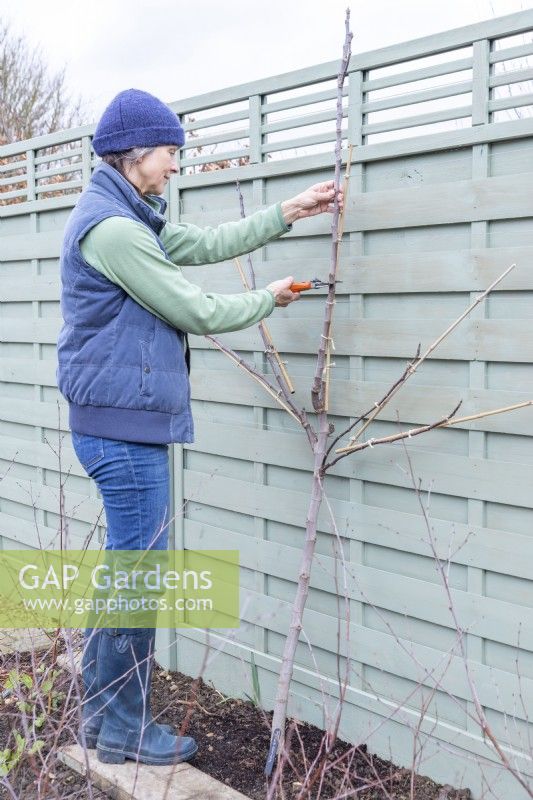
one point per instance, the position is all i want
(282, 292)
(315, 200)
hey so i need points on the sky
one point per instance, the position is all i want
(178, 49)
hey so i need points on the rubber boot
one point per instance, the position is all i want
(92, 715)
(128, 730)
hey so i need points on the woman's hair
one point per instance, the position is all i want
(123, 160)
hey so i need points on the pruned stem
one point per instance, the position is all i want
(318, 390)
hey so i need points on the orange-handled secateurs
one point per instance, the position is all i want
(314, 283)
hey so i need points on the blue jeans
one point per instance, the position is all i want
(134, 482)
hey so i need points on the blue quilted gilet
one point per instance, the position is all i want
(121, 368)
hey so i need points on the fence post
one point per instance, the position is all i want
(480, 82)
(479, 237)
(85, 161)
(30, 175)
(256, 121)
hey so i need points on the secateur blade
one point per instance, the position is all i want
(318, 284)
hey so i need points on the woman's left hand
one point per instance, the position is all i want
(315, 200)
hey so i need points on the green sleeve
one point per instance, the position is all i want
(128, 254)
(188, 244)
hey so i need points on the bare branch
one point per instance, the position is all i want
(444, 423)
(318, 390)
(261, 379)
(414, 366)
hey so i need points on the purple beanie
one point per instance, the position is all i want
(136, 119)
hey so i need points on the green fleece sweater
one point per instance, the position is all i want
(126, 252)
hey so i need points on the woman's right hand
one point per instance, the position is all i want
(282, 292)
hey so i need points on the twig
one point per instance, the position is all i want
(482, 719)
(444, 423)
(379, 404)
(319, 389)
(265, 383)
(278, 367)
(414, 366)
(250, 263)
(241, 273)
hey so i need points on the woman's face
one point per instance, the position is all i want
(152, 173)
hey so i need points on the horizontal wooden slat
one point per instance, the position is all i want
(500, 197)
(421, 271)
(19, 163)
(33, 206)
(218, 119)
(515, 101)
(483, 340)
(201, 141)
(63, 153)
(431, 271)
(14, 194)
(46, 498)
(43, 175)
(431, 118)
(455, 475)
(350, 398)
(304, 119)
(301, 141)
(507, 53)
(480, 340)
(421, 96)
(413, 75)
(22, 247)
(57, 187)
(271, 107)
(46, 538)
(512, 76)
(12, 180)
(214, 157)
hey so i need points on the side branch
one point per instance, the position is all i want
(443, 423)
(411, 369)
(297, 414)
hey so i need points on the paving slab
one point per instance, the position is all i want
(130, 781)
(15, 640)
(118, 781)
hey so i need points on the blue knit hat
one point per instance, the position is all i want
(136, 119)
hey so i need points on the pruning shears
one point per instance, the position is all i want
(314, 283)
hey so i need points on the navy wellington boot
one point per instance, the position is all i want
(92, 714)
(128, 729)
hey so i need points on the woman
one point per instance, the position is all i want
(123, 365)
